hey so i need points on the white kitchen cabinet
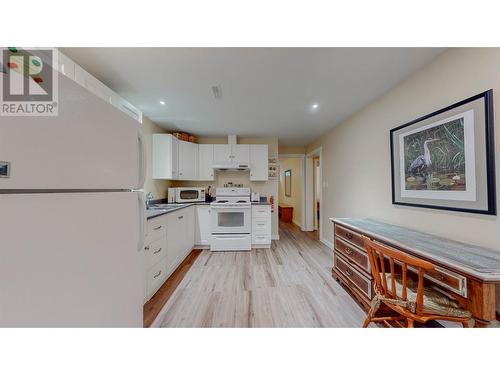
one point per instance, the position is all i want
(188, 160)
(261, 226)
(206, 162)
(165, 157)
(94, 85)
(180, 236)
(241, 154)
(203, 230)
(259, 162)
(222, 154)
(66, 66)
(231, 154)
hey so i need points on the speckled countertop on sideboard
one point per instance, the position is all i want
(481, 262)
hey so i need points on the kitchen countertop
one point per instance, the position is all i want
(151, 213)
(478, 261)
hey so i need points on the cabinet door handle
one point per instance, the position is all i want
(158, 274)
(146, 248)
(180, 217)
(157, 228)
(157, 251)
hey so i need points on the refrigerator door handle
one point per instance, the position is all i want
(142, 160)
(142, 221)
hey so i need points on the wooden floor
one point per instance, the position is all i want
(289, 285)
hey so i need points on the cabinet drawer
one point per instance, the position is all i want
(156, 228)
(448, 280)
(362, 283)
(261, 239)
(155, 251)
(349, 235)
(261, 226)
(261, 211)
(353, 254)
(156, 275)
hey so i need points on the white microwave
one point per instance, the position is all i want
(186, 194)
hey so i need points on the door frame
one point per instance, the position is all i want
(309, 191)
(302, 185)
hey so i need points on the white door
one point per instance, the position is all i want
(206, 162)
(89, 145)
(222, 154)
(188, 161)
(259, 162)
(203, 231)
(241, 154)
(71, 260)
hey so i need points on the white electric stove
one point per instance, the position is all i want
(231, 220)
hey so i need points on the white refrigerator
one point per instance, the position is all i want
(71, 218)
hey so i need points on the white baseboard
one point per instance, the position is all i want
(327, 243)
(296, 223)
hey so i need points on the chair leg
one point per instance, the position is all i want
(410, 323)
(368, 318)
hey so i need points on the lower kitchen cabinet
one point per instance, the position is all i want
(261, 226)
(169, 240)
(202, 232)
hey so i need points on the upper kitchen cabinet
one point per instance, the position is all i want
(259, 162)
(188, 160)
(165, 157)
(231, 154)
(206, 162)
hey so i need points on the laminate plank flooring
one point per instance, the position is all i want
(289, 285)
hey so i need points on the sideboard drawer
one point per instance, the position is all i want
(360, 281)
(349, 235)
(353, 254)
(448, 280)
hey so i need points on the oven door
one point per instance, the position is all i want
(185, 195)
(226, 220)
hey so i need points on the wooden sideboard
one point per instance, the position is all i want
(467, 273)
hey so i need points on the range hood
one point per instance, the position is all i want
(231, 167)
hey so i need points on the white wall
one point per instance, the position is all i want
(356, 155)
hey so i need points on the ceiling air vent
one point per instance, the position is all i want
(217, 91)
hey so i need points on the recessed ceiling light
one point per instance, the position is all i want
(315, 106)
(162, 102)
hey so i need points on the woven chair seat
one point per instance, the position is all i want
(435, 303)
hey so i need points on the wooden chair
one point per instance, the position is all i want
(406, 300)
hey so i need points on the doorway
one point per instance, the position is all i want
(313, 193)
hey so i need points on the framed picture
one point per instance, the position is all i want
(288, 182)
(445, 160)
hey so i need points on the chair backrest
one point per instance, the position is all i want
(379, 255)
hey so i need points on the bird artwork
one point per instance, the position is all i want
(422, 162)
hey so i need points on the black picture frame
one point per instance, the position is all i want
(487, 96)
(288, 183)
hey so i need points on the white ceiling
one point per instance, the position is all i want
(266, 91)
